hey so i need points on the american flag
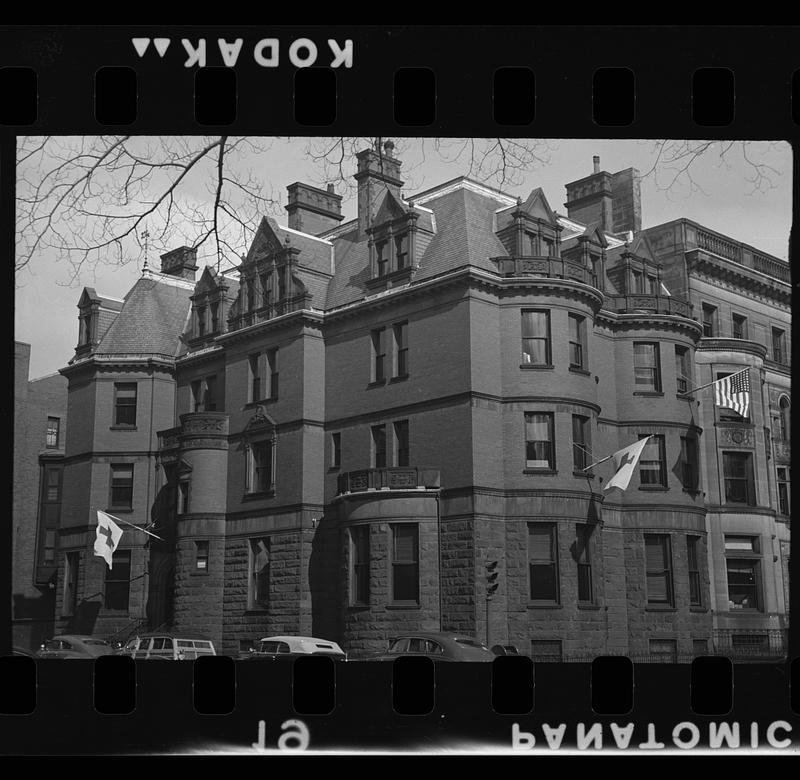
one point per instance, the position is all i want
(734, 392)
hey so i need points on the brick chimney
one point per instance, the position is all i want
(613, 200)
(377, 172)
(180, 262)
(312, 210)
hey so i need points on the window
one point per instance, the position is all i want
(658, 563)
(693, 558)
(739, 326)
(709, 317)
(53, 492)
(637, 282)
(254, 367)
(783, 489)
(336, 450)
(359, 571)
(197, 395)
(201, 320)
(738, 471)
(281, 283)
(214, 317)
(536, 338)
(401, 251)
(700, 646)
(543, 562)
(259, 467)
(689, 457)
(201, 555)
(743, 571)
(53, 426)
(125, 404)
(258, 596)
(664, 651)
(49, 520)
(549, 246)
(653, 462)
(581, 445)
(251, 295)
(401, 349)
(210, 397)
(682, 377)
(577, 341)
(49, 551)
(652, 285)
(378, 355)
(647, 367)
(122, 486)
(382, 257)
(378, 446)
(71, 564)
(183, 497)
(405, 562)
(546, 650)
(583, 535)
(779, 346)
(401, 443)
(784, 418)
(539, 442)
(85, 335)
(266, 289)
(272, 370)
(118, 581)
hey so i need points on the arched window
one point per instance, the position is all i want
(784, 419)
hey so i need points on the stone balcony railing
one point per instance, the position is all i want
(394, 478)
(547, 267)
(750, 644)
(651, 304)
(168, 439)
(722, 246)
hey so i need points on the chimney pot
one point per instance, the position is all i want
(596, 161)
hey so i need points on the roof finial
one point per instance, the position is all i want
(145, 234)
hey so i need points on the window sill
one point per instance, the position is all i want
(684, 397)
(583, 474)
(578, 370)
(334, 468)
(536, 366)
(659, 608)
(200, 573)
(544, 605)
(654, 488)
(649, 393)
(400, 605)
(376, 383)
(398, 378)
(261, 402)
(542, 472)
(698, 610)
(122, 428)
(589, 607)
(260, 496)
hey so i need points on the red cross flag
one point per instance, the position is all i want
(625, 461)
(108, 536)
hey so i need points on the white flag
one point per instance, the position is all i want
(108, 536)
(625, 461)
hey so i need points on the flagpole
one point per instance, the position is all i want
(597, 463)
(708, 384)
(133, 525)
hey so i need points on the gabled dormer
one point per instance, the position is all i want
(588, 250)
(210, 307)
(268, 286)
(392, 241)
(530, 229)
(637, 271)
(95, 315)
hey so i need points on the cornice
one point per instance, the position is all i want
(732, 345)
(651, 322)
(119, 362)
(281, 322)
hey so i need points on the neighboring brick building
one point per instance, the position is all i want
(40, 424)
(340, 438)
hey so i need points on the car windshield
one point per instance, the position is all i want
(101, 642)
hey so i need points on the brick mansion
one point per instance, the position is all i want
(339, 436)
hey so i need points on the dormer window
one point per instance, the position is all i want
(401, 250)
(214, 317)
(251, 294)
(266, 289)
(201, 320)
(281, 283)
(85, 335)
(382, 257)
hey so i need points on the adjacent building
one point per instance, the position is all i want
(347, 433)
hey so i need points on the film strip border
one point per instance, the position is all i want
(587, 81)
(215, 704)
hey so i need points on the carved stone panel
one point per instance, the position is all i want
(737, 436)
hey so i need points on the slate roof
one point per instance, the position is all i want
(151, 321)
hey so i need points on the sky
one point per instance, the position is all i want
(721, 195)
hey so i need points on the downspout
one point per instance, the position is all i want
(439, 553)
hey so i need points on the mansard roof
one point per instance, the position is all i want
(151, 320)
(272, 238)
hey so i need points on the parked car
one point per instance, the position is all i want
(272, 648)
(167, 647)
(74, 646)
(437, 646)
(505, 650)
